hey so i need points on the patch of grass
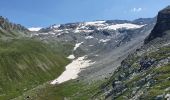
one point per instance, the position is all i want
(162, 53)
(163, 69)
(157, 89)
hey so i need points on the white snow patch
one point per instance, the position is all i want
(52, 33)
(43, 33)
(77, 45)
(89, 37)
(104, 40)
(56, 26)
(34, 28)
(87, 31)
(72, 70)
(71, 57)
(166, 44)
(77, 30)
(97, 23)
(58, 30)
(125, 25)
(59, 34)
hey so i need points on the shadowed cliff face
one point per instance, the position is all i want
(162, 25)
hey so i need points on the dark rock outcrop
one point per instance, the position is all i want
(162, 25)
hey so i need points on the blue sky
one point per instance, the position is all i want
(42, 13)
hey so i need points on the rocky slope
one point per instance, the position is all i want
(104, 42)
(145, 74)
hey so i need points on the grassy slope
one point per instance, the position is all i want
(11, 33)
(26, 63)
(71, 90)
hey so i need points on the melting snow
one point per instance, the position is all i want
(77, 45)
(58, 30)
(72, 70)
(44, 33)
(56, 26)
(34, 28)
(76, 30)
(125, 25)
(71, 56)
(52, 33)
(89, 37)
(98, 23)
(102, 40)
(59, 34)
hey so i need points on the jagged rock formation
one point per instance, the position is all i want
(8, 29)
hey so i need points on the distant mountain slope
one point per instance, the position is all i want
(145, 74)
(106, 43)
(8, 29)
(26, 62)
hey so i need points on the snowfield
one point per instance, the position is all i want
(125, 25)
(72, 70)
(95, 23)
(34, 28)
(77, 45)
(71, 57)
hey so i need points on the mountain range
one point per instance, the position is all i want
(98, 60)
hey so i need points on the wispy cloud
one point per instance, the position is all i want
(136, 10)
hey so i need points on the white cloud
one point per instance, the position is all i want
(136, 10)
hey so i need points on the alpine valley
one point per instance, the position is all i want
(98, 60)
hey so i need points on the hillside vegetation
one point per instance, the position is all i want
(27, 63)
